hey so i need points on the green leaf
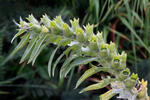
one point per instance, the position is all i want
(66, 63)
(77, 62)
(107, 14)
(125, 22)
(99, 85)
(65, 42)
(107, 96)
(94, 7)
(21, 44)
(29, 49)
(59, 58)
(50, 61)
(91, 72)
(137, 17)
(18, 34)
(39, 51)
(103, 8)
(39, 42)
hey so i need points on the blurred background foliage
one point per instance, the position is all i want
(125, 22)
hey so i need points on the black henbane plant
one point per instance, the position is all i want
(84, 47)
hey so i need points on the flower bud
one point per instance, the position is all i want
(124, 74)
(46, 21)
(32, 19)
(89, 30)
(54, 28)
(93, 42)
(103, 50)
(112, 47)
(142, 92)
(123, 57)
(131, 81)
(100, 37)
(44, 29)
(80, 35)
(116, 62)
(134, 76)
(75, 24)
(58, 21)
(66, 30)
(112, 51)
(36, 28)
(24, 25)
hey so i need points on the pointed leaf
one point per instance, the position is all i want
(65, 42)
(50, 61)
(39, 42)
(77, 62)
(18, 34)
(101, 84)
(59, 58)
(39, 51)
(91, 72)
(66, 63)
(21, 44)
(107, 96)
(126, 23)
(29, 49)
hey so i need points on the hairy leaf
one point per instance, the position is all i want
(91, 72)
(18, 34)
(39, 42)
(50, 61)
(108, 95)
(99, 85)
(29, 49)
(60, 57)
(77, 62)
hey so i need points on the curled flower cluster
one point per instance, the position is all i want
(83, 47)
